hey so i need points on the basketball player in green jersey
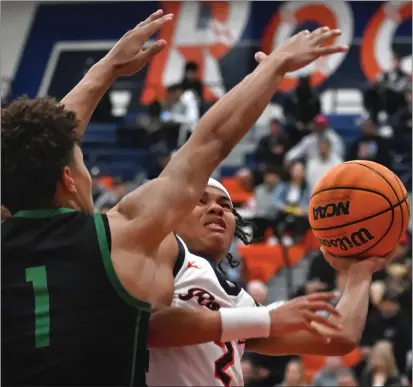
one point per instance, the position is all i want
(77, 286)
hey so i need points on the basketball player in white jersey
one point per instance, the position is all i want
(195, 350)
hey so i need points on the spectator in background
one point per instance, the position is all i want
(110, 198)
(308, 147)
(401, 123)
(191, 80)
(374, 100)
(161, 157)
(148, 128)
(294, 374)
(272, 147)
(181, 108)
(300, 107)
(395, 82)
(291, 200)
(381, 367)
(245, 178)
(98, 189)
(346, 378)
(370, 146)
(329, 374)
(263, 198)
(389, 322)
(317, 166)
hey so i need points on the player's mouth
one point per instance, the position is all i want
(217, 225)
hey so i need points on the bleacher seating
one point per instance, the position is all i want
(100, 148)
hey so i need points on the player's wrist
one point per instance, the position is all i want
(244, 323)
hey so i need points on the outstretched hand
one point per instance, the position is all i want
(370, 264)
(128, 56)
(304, 48)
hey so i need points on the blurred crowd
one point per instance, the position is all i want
(300, 146)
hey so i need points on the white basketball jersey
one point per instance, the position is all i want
(199, 285)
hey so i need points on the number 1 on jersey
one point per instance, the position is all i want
(37, 276)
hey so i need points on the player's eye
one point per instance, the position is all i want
(227, 206)
(202, 201)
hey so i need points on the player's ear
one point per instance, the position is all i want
(67, 180)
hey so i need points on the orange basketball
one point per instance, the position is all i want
(359, 209)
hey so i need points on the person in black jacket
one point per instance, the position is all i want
(370, 146)
(272, 147)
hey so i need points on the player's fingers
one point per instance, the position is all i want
(152, 50)
(314, 35)
(314, 331)
(154, 26)
(329, 50)
(323, 320)
(154, 16)
(323, 306)
(325, 35)
(322, 296)
(259, 56)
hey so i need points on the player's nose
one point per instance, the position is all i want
(215, 209)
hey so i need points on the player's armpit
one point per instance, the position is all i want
(180, 327)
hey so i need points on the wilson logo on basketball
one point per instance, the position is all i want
(331, 209)
(357, 238)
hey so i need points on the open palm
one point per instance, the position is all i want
(304, 48)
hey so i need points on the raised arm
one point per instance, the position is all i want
(353, 307)
(155, 209)
(86, 95)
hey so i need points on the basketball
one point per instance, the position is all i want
(359, 209)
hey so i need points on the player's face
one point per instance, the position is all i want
(77, 183)
(209, 229)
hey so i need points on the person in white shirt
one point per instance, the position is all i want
(183, 109)
(308, 146)
(318, 165)
(204, 347)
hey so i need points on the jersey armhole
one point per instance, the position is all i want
(180, 259)
(104, 240)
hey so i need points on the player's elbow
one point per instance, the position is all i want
(343, 345)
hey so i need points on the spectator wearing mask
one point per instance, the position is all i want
(381, 369)
(308, 147)
(291, 200)
(294, 374)
(300, 107)
(317, 166)
(263, 199)
(191, 80)
(329, 374)
(370, 146)
(272, 147)
(182, 109)
(389, 322)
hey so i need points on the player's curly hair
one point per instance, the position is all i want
(243, 236)
(37, 141)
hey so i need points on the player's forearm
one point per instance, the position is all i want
(354, 304)
(86, 95)
(180, 327)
